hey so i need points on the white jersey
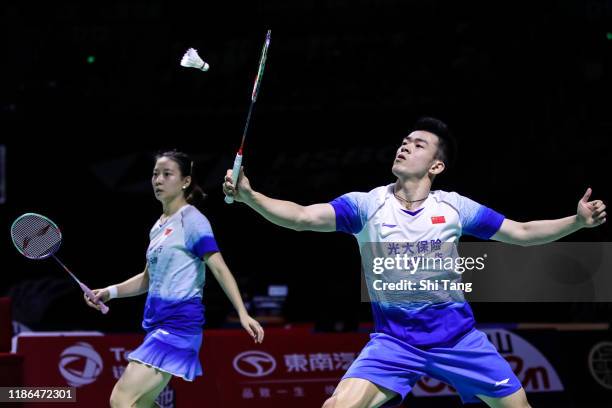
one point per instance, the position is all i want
(380, 223)
(177, 271)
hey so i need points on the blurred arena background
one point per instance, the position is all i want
(89, 92)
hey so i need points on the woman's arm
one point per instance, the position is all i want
(136, 285)
(225, 278)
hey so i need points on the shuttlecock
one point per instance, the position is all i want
(191, 59)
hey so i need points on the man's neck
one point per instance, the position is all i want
(412, 193)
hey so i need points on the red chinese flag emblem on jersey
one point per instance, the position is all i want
(438, 220)
(168, 231)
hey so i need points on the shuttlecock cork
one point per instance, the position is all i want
(191, 59)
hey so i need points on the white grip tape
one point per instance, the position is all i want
(235, 174)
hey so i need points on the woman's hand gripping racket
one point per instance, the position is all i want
(37, 237)
(260, 71)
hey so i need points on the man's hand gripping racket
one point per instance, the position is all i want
(238, 192)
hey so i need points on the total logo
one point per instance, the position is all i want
(254, 363)
(80, 364)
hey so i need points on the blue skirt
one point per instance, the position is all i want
(171, 353)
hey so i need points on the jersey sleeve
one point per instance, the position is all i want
(350, 212)
(199, 238)
(476, 219)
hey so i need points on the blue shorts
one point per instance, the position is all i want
(472, 366)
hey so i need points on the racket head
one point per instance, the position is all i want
(35, 236)
(262, 65)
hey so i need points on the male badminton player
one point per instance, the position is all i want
(411, 338)
(181, 242)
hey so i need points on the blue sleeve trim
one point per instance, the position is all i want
(347, 215)
(205, 245)
(485, 224)
(199, 237)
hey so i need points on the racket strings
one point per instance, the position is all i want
(35, 237)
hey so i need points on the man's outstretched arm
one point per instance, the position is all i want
(316, 217)
(589, 214)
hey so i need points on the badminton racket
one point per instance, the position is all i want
(260, 71)
(37, 237)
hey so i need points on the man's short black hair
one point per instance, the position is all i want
(446, 143)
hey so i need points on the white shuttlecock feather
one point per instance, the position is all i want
(191, 59)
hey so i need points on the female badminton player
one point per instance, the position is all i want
(181, 241)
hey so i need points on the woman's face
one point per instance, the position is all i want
(167, 180)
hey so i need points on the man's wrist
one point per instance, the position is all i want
(578, 222)
(248, 197)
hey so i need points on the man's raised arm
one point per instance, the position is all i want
(316, 217)
(588, 214)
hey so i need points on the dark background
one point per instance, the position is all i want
(525, 87)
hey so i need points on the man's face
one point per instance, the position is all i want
(416, 155)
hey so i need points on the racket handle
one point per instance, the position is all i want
(90, 295)
(235, 174)
(84, 288)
